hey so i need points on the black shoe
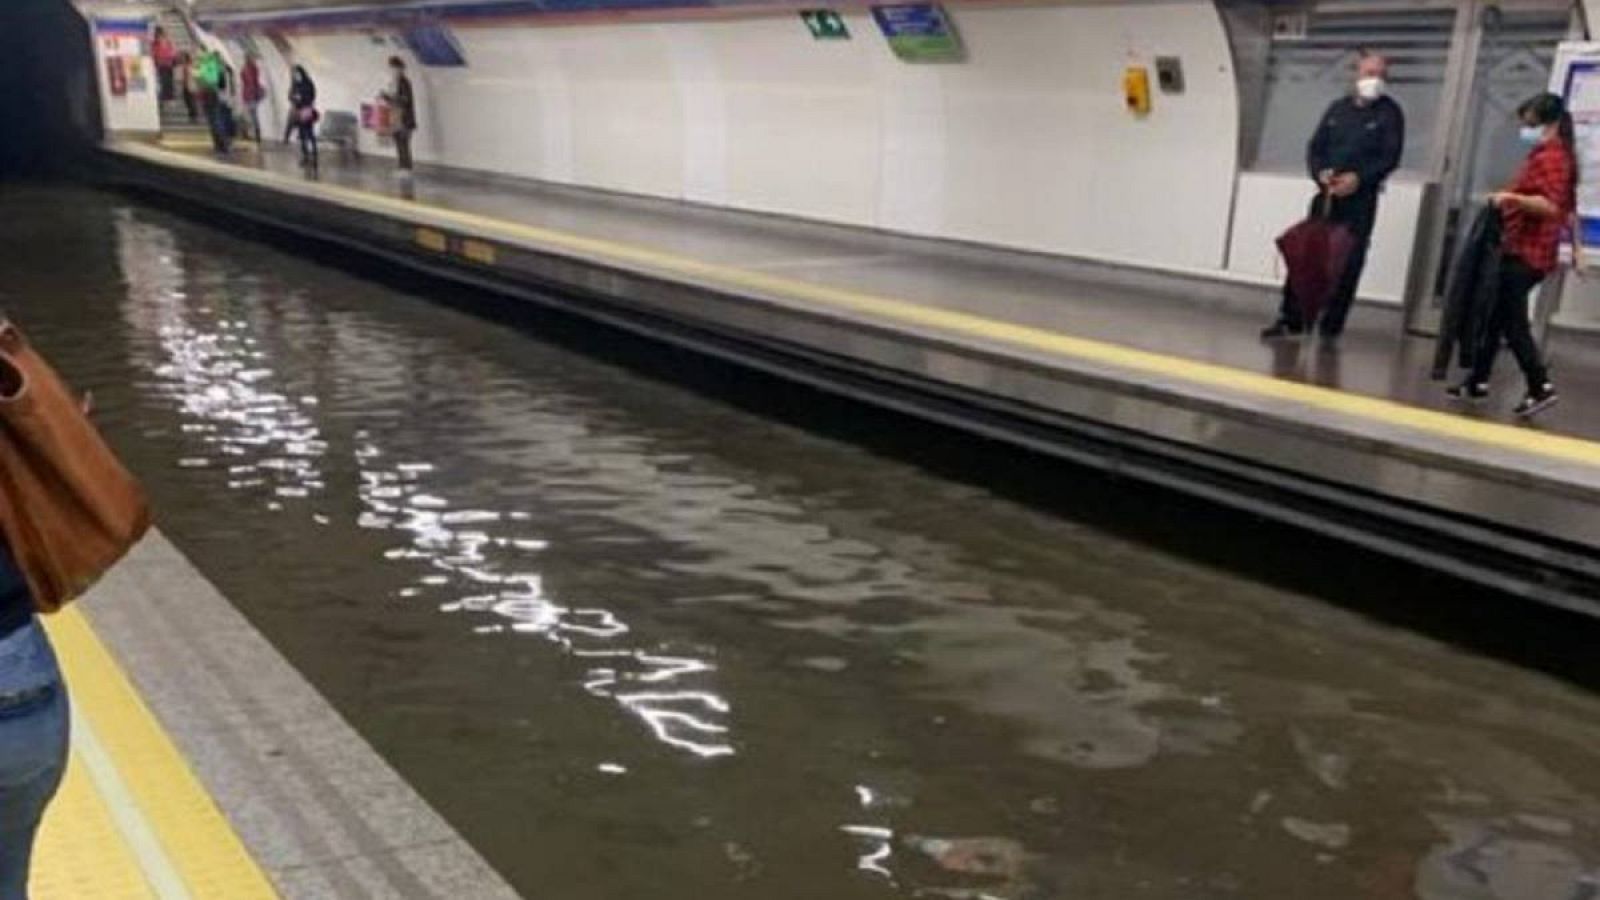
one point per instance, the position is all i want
(1279, 331)
(1470, 391)
(1537, 401)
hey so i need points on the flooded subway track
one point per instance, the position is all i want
(635, 641)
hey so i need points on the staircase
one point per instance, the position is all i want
(174, 115)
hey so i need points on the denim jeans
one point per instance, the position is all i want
(33, 748)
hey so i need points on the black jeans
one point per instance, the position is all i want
(216, 122)
(1509, 322)
(1359, 213)
(308, 136)
(402, 147)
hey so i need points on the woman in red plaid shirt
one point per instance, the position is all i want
(1534, 210)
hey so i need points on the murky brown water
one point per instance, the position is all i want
(635, 643)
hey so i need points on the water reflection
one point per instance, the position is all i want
(471, 559)
(990, 708)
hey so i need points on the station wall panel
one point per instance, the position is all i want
(1026, 144)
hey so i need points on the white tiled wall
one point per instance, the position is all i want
(1271, 202)
(1026, 144)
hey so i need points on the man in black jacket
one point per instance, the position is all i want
(1356, 146)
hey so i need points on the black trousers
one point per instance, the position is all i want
(1509, 323)
(216, 121)
(402, 146)
(1358, 212)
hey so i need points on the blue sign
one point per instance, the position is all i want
(434, 45)
(122, 26)
(918, 32)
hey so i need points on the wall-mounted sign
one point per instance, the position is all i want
(122, 44)
(434, 45)
(1292, 26)
(1576, 77)
(825, 24)
(919, 32)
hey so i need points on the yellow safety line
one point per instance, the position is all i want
(129, 781)
(80, 852)
(1144, 362)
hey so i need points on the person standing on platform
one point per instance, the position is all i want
(1534, 209)
(211, 77)
(33, 728)
(251, 94)
(303, 114)
(165, 56)
(1357, 145)
(68, 511)
(403, 110)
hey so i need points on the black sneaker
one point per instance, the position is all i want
(1537, 401)
(1279, 331)
(1470, 391)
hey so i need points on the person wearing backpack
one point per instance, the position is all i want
(212, 76)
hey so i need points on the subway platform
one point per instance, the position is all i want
(204, 766)
(1151, 375)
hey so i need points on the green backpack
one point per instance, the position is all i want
(209, 71)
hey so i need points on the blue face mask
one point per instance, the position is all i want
(1532, 134)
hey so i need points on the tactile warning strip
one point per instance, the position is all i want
(132, 820)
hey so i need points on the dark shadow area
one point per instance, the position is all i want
(49, 101)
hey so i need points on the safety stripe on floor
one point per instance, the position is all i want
(131, 820)
(1131, 360)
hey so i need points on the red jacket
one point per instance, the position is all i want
(250, 83)
(1536, 240)
(163, 52)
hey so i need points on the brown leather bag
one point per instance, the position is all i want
(68, 508)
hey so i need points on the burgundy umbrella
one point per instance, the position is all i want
(1315, 251)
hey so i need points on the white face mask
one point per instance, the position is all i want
(1369, 88)
(1532, 134)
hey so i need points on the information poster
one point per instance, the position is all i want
(1577, 79)
(919, 32)
(122, 45)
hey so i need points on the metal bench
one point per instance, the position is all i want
(341, 128)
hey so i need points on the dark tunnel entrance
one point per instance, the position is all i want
(49, 106)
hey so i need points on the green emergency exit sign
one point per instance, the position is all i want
(825, 24)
